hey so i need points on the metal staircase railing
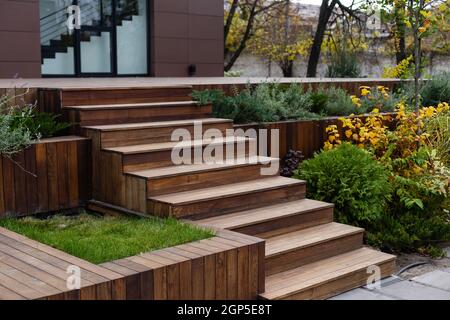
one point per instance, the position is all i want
(53, 26)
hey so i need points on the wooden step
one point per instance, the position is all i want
(328, 277)
(123, 95)
(274, 219)
(219, 200)
(154, 155)
(137, 112)
(118, 135)
(297, 248)
(190, 177)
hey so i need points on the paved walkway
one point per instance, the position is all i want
(432, 285)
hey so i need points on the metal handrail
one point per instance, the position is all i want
(49, 34)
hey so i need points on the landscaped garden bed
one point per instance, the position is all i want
(394, 182)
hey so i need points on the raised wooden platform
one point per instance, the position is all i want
(227, 266)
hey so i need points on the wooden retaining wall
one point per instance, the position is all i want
(229, 266)
(50, 175)
(352, 86)
(307, 136)
(20, 96)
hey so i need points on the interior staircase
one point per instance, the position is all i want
(308, 256)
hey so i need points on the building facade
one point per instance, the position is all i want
(111, 38)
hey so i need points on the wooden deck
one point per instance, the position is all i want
(228, 266)
(73, 83)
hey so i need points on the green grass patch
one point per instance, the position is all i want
(101, 239)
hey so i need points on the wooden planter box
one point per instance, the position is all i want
(52, 174)
(227, 266)
(307, 136)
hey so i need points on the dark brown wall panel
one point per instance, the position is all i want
(186, 32)
(19, 38)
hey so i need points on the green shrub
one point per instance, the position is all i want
(13, 138)
(40, 124)
(319, 101)
(377, 99)
(436, 90)
(438, 131)
(343, 64)
(417, 219)
(21, 126)
(265, 102)
(14, 134)
(339, 103)
(350, 178)
(433, 91)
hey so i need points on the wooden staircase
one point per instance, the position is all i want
(308, 256)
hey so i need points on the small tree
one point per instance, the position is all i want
(328, 10)
(282, 38)
(241, 21)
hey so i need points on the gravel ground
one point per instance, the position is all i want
(431, 264)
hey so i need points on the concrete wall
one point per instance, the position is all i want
(20, 51)
(186, 32)
(371, 66)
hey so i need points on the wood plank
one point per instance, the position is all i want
(27, 280)
(52, 175)
(42, 178)
(243, 273)
(232, 274)
(20, 188)
(9, 186)
(253, 264)
(104, 273)
(34, 272)
(31, 180)
(63, 175)
(7, 294)
(72, 166)
(2, 199)
(9, 245)
(84, 170)
(221, 276)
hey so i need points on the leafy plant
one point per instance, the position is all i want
(263, 103)
(343, 64)
(350, 178)
(13, 138)
(436, 90)
(20, 126)
(438, 135)
(14, 134)
(415, 153)
(319, 101)
(339, 103)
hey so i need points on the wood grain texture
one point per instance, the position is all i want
(51, 175)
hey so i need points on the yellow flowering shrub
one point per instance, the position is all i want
(400, 71)
(414, 148)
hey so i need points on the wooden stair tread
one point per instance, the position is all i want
(306, 237)
(132, 105)
(119, 86)
(119, 106)
(160, 146)
(234, 189)
(155, 124)
(196, 168)
(281, 285)
(259, 215)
